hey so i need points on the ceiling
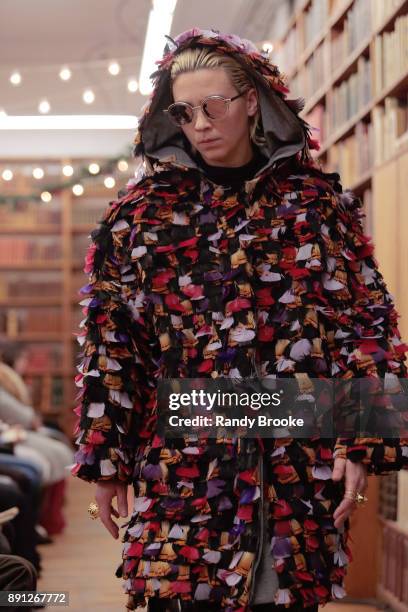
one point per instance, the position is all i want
(38, 37)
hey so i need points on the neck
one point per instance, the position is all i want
(243, 156)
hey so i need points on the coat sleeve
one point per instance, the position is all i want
(324, 307)
(374, 345)
(116, 374)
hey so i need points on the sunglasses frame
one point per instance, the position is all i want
(201, 105)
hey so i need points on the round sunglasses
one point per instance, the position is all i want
(214, 107)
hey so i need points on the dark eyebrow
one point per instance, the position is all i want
(212, 94)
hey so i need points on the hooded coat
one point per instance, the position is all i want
(189, 279)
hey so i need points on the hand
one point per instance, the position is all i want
(355, 480)
(105, 492)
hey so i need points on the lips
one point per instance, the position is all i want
(207, 141)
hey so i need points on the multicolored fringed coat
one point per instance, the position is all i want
(188, 279)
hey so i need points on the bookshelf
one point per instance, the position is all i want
(349, 60)
(42, 252)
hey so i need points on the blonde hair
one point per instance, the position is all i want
(190, 60)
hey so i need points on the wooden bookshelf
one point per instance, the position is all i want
(42, 256)
(353, 75)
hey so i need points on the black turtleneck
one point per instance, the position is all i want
(234, 177)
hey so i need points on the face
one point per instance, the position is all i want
(228, 138)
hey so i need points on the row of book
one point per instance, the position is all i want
(88, 211)
(16, 321)
(313, 75)
(27, 250)
(317, 119)
(47, 393)
(356, 28)
(350, 96)
(353, 156)
(30, 283)
(29, 214)
(315, 20)
(390, 128)
(390, 53)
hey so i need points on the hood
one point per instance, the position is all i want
(286, 134)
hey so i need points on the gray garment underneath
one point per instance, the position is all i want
(266, 578)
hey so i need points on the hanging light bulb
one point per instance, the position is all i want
(44, 107)
(267, 46)
(93, 168)
(38, 173)
(132, 85)
(109, 182)
(65, 73)
(123, 165)
(7, 175)
(67, 170)
(114, 68)
(15, 78)
(46, 196)
(88, 96)
(77, 189)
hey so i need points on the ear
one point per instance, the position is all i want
(252, 102)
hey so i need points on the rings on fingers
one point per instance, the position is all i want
(355, 496)
(93, 510)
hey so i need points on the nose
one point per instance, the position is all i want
(201, 121)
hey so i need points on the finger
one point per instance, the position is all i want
(339, 468)
(344, 510)
(121, 492)
(110, 525)
(114, 512)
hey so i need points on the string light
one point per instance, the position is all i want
(88, 96)
(46, 196)
(109, 182)
(132, 85)
(123, 165)
(15, 78)
(67, 170)
(65, 73)
(7, 175)
(114, 68)
(77, 189)
(267, 46)
(38, 173)
(44, 107)
(93, 168)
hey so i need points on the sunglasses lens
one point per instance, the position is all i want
(215, 108)
(180, 114)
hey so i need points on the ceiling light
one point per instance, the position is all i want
(114, 68)
(93, 168)
(109, 182)
(15, 78)
(159, 24)
(46, 196)
(132, 85)
(38, 173)
(77, 189)
(88, 96)
(267, 46)
(44, 107)
(65, 73)
(67, 170)
(123, 165)
(7, 175)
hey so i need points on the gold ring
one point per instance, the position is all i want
(355, 497)
(93, 510)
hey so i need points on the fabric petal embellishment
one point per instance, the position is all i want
(107, 467)
(300, 350)
(95, 410)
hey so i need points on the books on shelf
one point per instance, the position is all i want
(317, 120)
(390, 55)
(352, 157)
(16, 321)
(382, 9)
(313, 75)
(30, 214)
(351, 95)
(28, 250)
(315, 21)
(390, 127)
(30, 283)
